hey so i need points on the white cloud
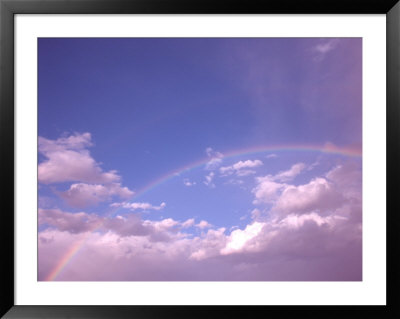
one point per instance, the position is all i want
(267, 190)
(269, 187)
(188, 223)
(312, 232)
(68, 160)
(290, 174)
(322, 195)
(209, 245)
(83, 195)
(245, 172)
(139, 206)
(209, 180)
(239, 238)
(211, 153)
(71, 222)
(296, 247)
(239, 167)
(324, 47)
(272, 156)
(188, 183)
(215, 159)
(203, 224)
(255, 214)
(317, 195)
(127, 225)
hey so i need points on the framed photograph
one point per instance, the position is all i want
(181, 159)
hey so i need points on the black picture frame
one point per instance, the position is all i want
(8, 8)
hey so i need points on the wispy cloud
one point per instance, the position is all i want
(215, 159)
(209, 180)
(188, 183)
(139, 206)
(324, 47)
(290, 174)
(240, 168)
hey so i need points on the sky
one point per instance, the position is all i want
(200, 159)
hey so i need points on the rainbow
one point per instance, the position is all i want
(327, 149)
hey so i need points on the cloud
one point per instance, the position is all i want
(209, 245)
(209, 179)
(324, 194)
(139, 206)
(127, 225)
(324, 47)
(68, 160)
(239, 167)
(269, 187)
(188, 223)
(83, 195)
(267, 190)
(188, 183)
(305, 247)
(317, 195)
(71, 222)
(311, 231)
(211, 153)
(203, 224)
(215, 159)
(272, 156)
(239, 238)
(290, 174)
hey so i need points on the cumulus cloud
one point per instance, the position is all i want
(127, 225)
(239, 238)
(83, 195)
(323, 195)
(240, 168)
(305, 247)
(71, 222)
(269, 187)
(203, 224)
(68, 160)
(311, 231)
(317, 195)
(139, 206)
(188, 223)
(209, 245)
(267, 190)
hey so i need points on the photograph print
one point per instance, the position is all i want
(199, 159)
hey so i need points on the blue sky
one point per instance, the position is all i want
(119, 120)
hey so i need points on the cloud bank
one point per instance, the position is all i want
(309, 231)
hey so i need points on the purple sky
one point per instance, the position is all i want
(200, 159)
